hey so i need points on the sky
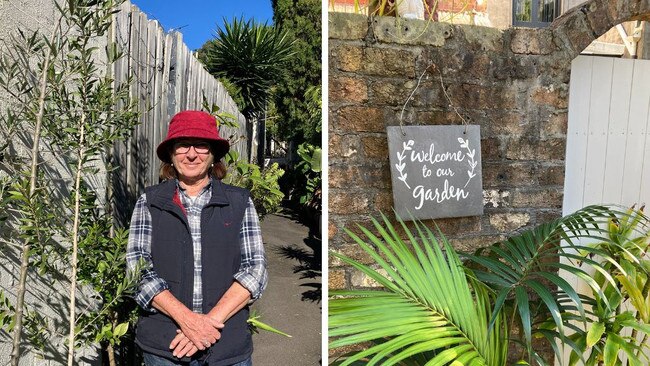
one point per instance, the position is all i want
(198, 19)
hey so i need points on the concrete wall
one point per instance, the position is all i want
(513, 83)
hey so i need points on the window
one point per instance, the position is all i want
(535, 13)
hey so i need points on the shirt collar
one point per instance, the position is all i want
(207, 187)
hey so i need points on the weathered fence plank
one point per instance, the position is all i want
(165, 78)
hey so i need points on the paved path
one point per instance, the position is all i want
(291, 302)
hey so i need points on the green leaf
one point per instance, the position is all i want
(595, 333)
(257, 324)
(120, 329)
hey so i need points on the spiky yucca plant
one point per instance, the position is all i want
(435, 309)
(251, 56)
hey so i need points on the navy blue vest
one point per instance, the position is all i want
(172, 256)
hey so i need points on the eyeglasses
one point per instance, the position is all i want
(184, 147)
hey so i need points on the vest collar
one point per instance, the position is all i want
(165, 198)
(218, 194)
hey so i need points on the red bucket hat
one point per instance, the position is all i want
(193, 124)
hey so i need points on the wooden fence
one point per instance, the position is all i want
(165, 78)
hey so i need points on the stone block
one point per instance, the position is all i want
(505, 123)
(360, 119)
(532, 41)
(496, 198)
(498, 174)
(551, 175)
(393, 92)
(344, 175)
(554, 125)
(390, 61)
(411, 31)
(347, 26)
(332, 230)
(520, 67)
(471, 243)
(521, 148)
(343, 89)
(477, 67)
(428, 94)
(545, 216)
(341, 175)
(491, 149)
(345, 147)
(626, 10)
(537, 198)
(351, 250)
(349, 57)
(553, 96)
(357, 227)
(456, 226)
(483, 39)
(552, 149)
(336, 279)
(438, 117)
(375, 148)
(385, 62)
(509, 222)
(384, 202)
(361, 280)
(348, 203)
(395, 114)
(598, 16)
(573, 30)
(475, 96)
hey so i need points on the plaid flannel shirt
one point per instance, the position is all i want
(252, 271)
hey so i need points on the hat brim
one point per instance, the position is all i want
(219, 148)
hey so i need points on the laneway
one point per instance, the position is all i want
(292, 301)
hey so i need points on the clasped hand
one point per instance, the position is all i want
(198, 332)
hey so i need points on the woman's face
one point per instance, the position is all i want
(192, 159)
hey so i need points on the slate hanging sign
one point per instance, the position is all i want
(436, 171)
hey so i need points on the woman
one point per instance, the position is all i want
(198, 246)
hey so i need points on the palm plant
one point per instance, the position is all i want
(622, 313)
(435, 309)
(250, 56)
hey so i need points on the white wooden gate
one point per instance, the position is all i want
(608, 149)
(608, 145)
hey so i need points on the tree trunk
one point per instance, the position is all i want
(111, 355)
(75, 242)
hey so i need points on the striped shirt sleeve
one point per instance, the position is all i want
(252, 272)
(138, 254)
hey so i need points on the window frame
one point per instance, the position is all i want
(535, 22)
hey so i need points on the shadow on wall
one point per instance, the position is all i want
(130, 176)
(46, 313)
(47, 294)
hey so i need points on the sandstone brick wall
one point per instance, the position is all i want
(513, 83)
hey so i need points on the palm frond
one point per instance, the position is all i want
(427, 304)
(521, 268)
